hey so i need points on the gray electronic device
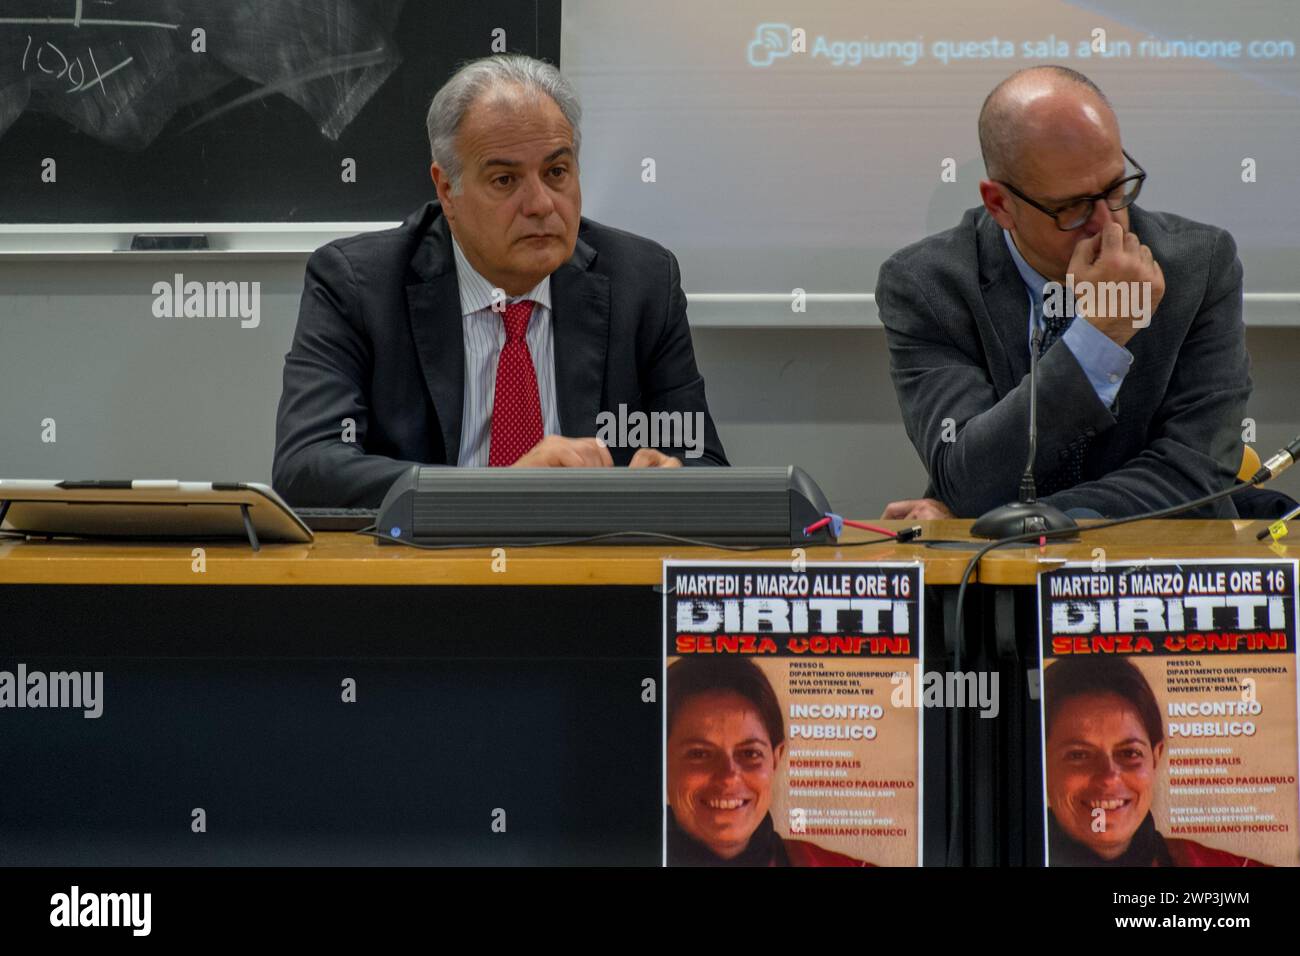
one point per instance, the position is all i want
(491, 506)
(149, 508)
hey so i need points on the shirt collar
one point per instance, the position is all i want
(476, 291)
(1033, 281)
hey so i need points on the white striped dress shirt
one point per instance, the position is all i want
(485, 334)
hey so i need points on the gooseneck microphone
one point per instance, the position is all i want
(1028, 493)
(1028, 514)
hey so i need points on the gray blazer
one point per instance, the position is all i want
(956, 317)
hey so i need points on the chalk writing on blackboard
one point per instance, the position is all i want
(120, 70)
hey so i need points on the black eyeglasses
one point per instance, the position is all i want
(1078, 211)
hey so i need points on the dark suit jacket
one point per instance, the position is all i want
(956, 315)
(380, 341)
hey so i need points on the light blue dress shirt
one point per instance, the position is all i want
(485, 334)
(1104, 362)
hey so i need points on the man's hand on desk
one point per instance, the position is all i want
(917, 509)
(653, 458)
(556, 451)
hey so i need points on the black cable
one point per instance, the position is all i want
(1027, 536)
(858, 544)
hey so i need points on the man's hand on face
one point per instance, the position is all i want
(556, 451)
(1114, 255)
(917, 509)
(652, 458)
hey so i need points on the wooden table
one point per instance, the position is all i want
(336, 558)
(340, 558)
(469, 697)
(1133, 542)
(223, 674)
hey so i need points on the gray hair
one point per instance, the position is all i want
(477, 77)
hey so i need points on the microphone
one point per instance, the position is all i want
(1028, 514)
(1277, 464)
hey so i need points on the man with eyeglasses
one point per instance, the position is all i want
(1140, 397)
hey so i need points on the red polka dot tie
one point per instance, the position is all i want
(516, 407)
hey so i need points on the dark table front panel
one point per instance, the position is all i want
(468, 700)
(230, 699)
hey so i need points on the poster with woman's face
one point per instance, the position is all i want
(786, 742)
(1169, 714)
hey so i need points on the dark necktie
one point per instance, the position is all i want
(1070, 470)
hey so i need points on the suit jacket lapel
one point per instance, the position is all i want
(1004, 329)
(433, 309)
(580, 323)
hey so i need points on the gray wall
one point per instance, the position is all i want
(138, 396)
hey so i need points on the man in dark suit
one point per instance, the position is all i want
(1139, 407)
(495, 326)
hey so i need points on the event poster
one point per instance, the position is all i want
(791, 735)
(1169, 713)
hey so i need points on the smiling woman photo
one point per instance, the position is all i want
(1104, 746)
(726, 742)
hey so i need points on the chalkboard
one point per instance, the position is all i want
(234, 110)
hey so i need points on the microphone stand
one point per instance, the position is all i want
(1028, 514)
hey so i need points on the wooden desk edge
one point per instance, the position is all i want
(346, 559)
